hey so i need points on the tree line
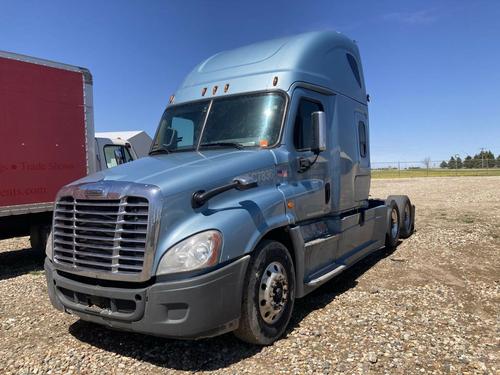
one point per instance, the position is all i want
(485, 159)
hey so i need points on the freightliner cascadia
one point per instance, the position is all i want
(255, 193)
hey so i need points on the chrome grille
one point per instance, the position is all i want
(101, 234)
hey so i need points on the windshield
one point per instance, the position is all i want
(238, 121)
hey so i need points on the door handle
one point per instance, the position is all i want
(304, 165)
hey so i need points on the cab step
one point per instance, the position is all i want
(326, 275)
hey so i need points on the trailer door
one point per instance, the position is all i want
(42, 132)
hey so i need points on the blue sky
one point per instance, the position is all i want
(432, 68)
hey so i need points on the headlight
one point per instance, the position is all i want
(198, 251)
(49, 249)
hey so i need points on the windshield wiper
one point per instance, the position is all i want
(160, 150)
(239, 146)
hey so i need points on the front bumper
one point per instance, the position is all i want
(201, 306)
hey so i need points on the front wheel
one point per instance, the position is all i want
(268, 295)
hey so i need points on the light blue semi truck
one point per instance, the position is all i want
(255, 192)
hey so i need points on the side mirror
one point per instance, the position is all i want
(318, 120)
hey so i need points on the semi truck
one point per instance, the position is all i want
(46, 141)
(255, 192)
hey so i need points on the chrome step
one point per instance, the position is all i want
(326, 276)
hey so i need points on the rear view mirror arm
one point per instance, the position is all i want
(201, 196)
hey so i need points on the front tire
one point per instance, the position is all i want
(268, 294)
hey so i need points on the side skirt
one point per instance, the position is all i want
(326, 247)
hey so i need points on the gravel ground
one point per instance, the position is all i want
(431, 306)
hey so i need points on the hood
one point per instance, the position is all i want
(181, 171)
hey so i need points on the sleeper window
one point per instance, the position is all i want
(302, 134)
(362, 139)
(354, 68)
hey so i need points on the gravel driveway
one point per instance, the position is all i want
(431, 306)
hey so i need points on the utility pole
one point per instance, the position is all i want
(456, 163)
(482, 157)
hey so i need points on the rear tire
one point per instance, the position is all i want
(407, 224)
(268, 294)
(393, 229)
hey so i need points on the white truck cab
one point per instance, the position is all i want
(113, 152)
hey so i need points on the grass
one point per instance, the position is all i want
(37, 273)
(433, 172)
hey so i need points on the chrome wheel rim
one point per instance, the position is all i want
(394, 223)
(273, 292)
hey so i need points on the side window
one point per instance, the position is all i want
(362, 138)
(185, 131)
(185, 122)
(354, 67)
(116, 154)
(302, 133)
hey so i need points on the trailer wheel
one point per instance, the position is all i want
(392, 235)
(407, 214)
(268, 294)
(39, 235)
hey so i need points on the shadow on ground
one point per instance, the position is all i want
(326, 293)
(218, 352)
(19, 262)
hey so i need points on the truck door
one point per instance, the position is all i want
(309, 174)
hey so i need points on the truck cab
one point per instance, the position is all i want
(255, 192)
(113, 152)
